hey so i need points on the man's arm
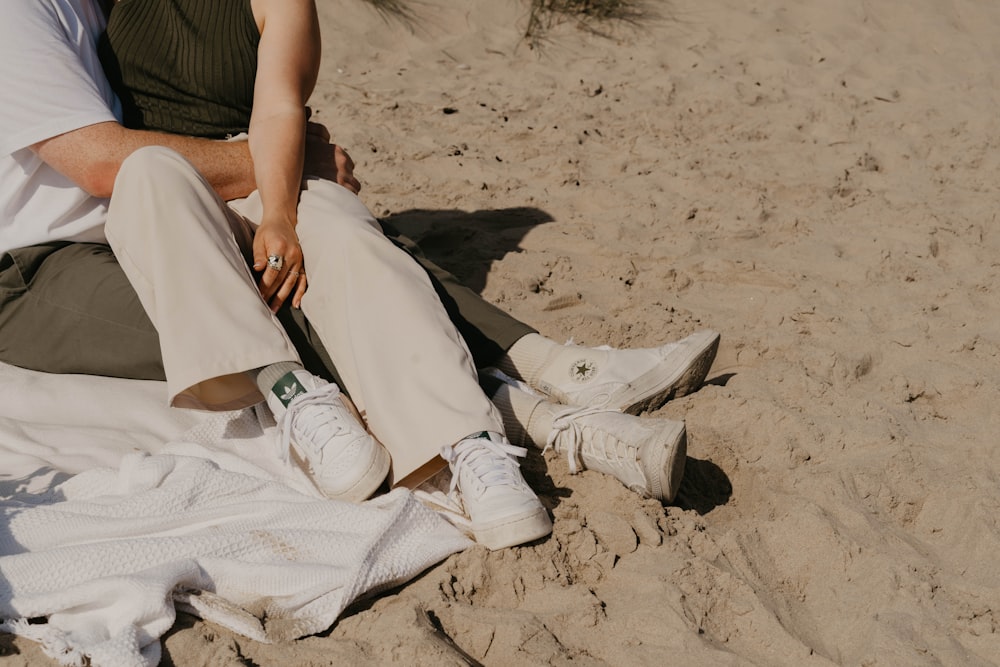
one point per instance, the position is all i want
(91, 156)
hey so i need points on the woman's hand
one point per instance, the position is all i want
(287, 274)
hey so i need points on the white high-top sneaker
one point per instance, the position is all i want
(646, 455)
(315, 420)
(486, 479)
(632, 381)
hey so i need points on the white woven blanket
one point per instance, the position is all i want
(115, 509)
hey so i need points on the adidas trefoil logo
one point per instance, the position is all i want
(290, 392)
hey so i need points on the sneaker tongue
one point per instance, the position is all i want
(287, 388)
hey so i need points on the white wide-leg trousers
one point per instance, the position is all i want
(186, 253)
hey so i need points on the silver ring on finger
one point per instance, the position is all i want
(296, 273)
(275, 262)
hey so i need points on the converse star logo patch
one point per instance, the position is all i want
(582, 370)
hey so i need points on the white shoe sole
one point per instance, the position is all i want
(680, 373)
(663, 458)
(367, 484)
(514, 530)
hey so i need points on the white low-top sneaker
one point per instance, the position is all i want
(315, 420)
(646, 455)
(632, 381)
(486, 479)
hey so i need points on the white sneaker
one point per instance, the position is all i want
(486, 479)
(632, 381)
(346, 462)
(646, 455)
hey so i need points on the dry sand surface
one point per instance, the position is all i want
(817, 181)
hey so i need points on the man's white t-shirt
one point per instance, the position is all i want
(53, 83)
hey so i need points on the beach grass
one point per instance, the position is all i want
(592, 15)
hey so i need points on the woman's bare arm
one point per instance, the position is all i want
(287, 66)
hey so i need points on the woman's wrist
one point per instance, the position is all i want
(289, 221)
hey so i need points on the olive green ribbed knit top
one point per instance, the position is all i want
(183, 66)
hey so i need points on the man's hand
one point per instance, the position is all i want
(326, 160)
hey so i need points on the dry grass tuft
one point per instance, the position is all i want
(591, 15)
(400, 10)
(596, 16)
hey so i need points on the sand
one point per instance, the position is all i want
(813, 179)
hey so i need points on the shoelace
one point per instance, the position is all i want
(488, 460)
(322, 396)
(565, 422)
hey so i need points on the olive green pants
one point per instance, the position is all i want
(68, 308)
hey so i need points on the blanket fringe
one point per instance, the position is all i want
(53, 640)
